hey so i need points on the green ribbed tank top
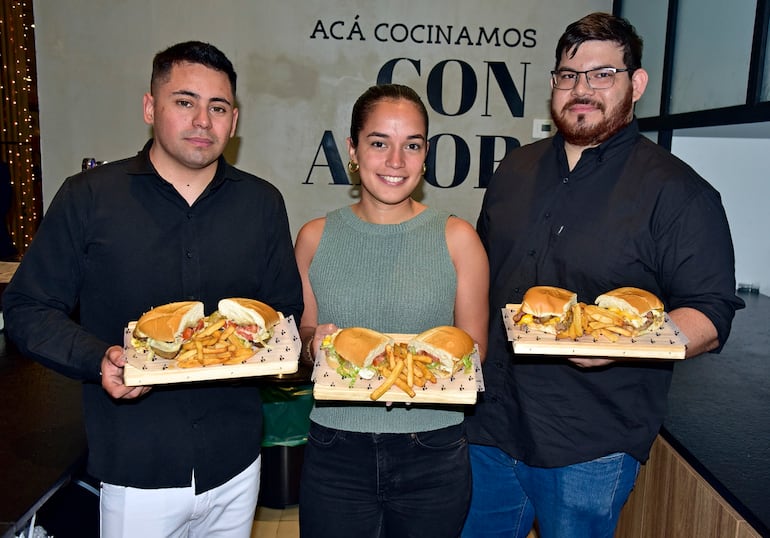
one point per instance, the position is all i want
(394, 278)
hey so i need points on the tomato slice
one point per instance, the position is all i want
(189, 331)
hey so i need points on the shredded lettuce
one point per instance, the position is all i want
(350, 373)
(346, 369)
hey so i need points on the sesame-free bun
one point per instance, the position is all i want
(357, 345)
(249, 312)
(634, 300)
(447, 344)
(161, 328)
(642, 311)
(541, 301)
(166, 322)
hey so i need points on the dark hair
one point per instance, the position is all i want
(195, 52)
(602, 27)
(374, 95)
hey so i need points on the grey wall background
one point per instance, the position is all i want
(94, 61)
(735, 163)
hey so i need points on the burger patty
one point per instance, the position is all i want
(559, 323)
(649, 320)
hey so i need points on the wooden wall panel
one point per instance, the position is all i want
(746, 531)
(671, 500)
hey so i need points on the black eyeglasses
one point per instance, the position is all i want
(597, 79)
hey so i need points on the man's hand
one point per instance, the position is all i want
(591, 363)
(112, 375)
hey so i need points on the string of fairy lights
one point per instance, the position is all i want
(20, 142)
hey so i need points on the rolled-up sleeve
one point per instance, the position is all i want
(698, 262)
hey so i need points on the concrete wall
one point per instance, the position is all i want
(301, 65)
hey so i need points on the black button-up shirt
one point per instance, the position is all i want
(118, 240)
(628, 214)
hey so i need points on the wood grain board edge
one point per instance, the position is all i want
(669, 344)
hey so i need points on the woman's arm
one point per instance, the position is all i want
(472, 266)
(305, 248)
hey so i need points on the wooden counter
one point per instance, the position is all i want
(42, 439)
(709, 470)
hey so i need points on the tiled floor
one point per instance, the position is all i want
(271, 523)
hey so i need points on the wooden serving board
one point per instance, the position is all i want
(668, 342)
(462, 388)
(280, 356)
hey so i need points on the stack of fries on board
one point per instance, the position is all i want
(359, 352)
(404, 370)
(216, 344)
(625, 311)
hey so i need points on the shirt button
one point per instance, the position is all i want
(531, 252)
(516, 290)
(548, 215)
(565, 180)
(189, 254)
(189, 216)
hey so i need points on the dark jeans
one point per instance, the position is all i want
(368, 485)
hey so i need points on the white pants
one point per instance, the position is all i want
(226, 511)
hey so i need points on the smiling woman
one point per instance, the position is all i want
(390, 156)
(429, 270)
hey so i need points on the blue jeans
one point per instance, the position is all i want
(575, 501)
(368, 485)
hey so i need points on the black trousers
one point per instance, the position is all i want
(368, 485)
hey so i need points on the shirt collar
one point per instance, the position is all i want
(142, 165)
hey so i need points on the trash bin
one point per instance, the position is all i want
(286, 408)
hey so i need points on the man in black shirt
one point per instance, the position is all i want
(596, 207)
(176, 222)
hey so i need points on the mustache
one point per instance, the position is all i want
(584, 101)
(198, 134)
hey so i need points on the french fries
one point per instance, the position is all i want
(577, 320)
(399, 381)
(594, 321)
(611, 336)
(429, 376)
(391, 356)
(403, 370)
(216, 344)
(389, 381)
(409, 369)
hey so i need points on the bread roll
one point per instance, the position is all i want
(450, 346)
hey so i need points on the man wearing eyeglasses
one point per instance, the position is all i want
(598, 206)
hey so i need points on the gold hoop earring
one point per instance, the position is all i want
(424, 169)
(353, 167)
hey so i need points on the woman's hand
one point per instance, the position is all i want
(313, 343)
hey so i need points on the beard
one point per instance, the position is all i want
(584, 134)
